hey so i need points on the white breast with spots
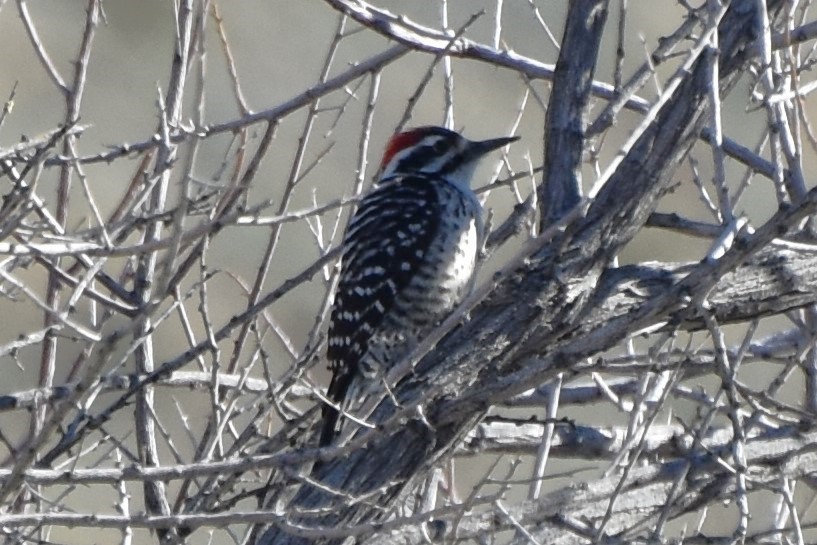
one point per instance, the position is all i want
(456, 275)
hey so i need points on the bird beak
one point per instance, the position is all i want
(485, 146)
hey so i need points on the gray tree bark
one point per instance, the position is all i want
(563, 302)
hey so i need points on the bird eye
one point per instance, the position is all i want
(439, 146)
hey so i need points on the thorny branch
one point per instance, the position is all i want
(117, 410)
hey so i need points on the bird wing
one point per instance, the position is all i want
(384, 246)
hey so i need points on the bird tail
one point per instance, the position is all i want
(330, 425)
(339, 393)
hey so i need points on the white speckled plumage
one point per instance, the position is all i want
(409, 258)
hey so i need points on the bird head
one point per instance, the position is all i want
(435, 151)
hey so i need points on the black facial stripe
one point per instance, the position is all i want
(453, 164)
(416, 160)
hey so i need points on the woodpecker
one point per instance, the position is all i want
(408, 259)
